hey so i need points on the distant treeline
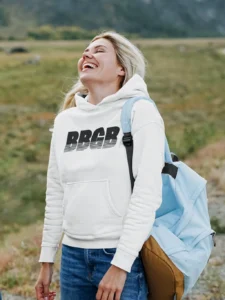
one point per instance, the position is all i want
(4, 17)
(48, 32)
(147, 18)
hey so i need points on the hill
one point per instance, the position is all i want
(148, 18)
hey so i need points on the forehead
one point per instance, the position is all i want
(99, 42)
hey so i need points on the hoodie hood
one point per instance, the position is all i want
(135, 86)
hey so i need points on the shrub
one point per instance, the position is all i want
(215, 223)
(30, 154)
(48, 32)
(45, 32)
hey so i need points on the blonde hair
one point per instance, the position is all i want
(128, 56)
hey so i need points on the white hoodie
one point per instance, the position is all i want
(88, 195)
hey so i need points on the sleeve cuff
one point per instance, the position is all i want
(123, 260)
(48, 254)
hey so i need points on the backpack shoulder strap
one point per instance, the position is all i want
(126, 121)
(169, 168)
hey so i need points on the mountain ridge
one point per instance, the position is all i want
(148, 18)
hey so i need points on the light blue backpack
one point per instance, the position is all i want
(182, 225)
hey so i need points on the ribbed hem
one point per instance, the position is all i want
(123, 260)
(90, 244)
(48, 254)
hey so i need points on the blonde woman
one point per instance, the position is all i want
(88, 196)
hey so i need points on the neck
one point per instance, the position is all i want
(98, 92)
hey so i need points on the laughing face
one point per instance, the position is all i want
(99, 64)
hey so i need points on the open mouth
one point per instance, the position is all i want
(88, 66)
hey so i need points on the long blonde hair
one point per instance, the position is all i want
(128, 56)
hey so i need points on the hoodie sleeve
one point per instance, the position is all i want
(148, 160)
(52, 230)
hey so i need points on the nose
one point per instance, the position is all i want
(86, 54)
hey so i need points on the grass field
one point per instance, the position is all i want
(186, 78)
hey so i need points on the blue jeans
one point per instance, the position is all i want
(82, 270)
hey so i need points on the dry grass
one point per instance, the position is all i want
(19, 265)
(210, 161)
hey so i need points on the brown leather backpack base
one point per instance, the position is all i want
(164, 279)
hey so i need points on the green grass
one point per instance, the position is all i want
(186, 83)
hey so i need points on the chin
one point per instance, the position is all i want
(87, 78)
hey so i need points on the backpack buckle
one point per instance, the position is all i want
(214, 238)
(174, 157)
(127, 139)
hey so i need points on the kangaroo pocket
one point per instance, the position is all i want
(89, 211)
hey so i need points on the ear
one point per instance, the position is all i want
(121, 71)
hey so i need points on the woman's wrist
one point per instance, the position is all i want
(119, 269)
(47, 264)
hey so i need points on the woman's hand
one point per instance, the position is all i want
(112, 284)
(43, 283)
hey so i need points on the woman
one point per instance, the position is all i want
(88, 196)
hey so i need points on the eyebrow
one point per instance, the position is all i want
(95, 47)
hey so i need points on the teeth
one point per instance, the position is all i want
(89, 64)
